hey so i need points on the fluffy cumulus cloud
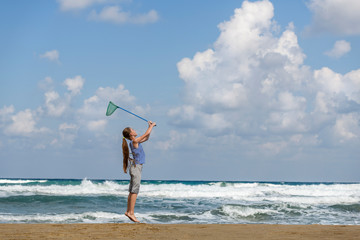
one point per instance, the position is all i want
(115, 14)
(254, 83)
(74, 85)
(29, 123)
(52, 55)
(92, 111)
(22, 123)
(335, 16)
(57, 105)
(60, 122)
(347, 126)
(340, 48)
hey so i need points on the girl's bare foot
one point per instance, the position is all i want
(132, 217)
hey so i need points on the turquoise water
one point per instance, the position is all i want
(104, 201)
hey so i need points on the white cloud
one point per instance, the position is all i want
(178, 139)
(335, 16)
(112, 14)
(46, 84)
(68, 5)
(74, 85)
(328, 80)
(55, 105)
(286, 122)
(322, 103)
(95, 106)
(274, 147)
(23, 124)
(245, 55)
(98, 125)
(149, 17)
(67, 126)
(115, 14)
(288, 102)
(347, 127)
(174, 138)
(52, 55)
(340, 49)
(67, 134)
(335, 84)
(5, 114)
(92, 113)
(253, 82)
(302, 140)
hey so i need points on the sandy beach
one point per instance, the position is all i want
(176, 231)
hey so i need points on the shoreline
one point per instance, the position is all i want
(133, 231)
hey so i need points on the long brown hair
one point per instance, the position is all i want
(125, 148)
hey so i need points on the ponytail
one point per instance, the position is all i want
(125, 149)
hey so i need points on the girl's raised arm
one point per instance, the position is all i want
(146, 135)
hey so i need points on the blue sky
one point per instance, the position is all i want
(241, 90)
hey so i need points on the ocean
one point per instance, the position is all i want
(190, 202)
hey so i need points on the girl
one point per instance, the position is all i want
(136, 164)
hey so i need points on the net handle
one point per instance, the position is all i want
(111, 103)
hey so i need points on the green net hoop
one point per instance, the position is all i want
(111, 108)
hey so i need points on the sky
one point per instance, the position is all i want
(240, 90)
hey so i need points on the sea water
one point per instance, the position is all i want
(194, 202)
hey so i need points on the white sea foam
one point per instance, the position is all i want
(244, 211)
(86, 188)
(86, 217)
(244, 192)
(14, 181)
(97, 217)
(307, 194)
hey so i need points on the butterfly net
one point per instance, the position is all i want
(111, 108)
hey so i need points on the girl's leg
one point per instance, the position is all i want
(133, 197)
(128, 204)
(131, 206)
(135, 179)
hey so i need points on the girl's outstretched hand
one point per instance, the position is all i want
(152, 124)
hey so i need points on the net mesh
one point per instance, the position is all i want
(111, 108)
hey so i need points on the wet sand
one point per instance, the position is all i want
(176, 231)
